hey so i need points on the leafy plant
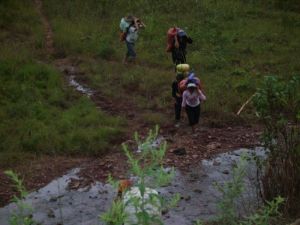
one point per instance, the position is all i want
(265, 215)
(231, 190)
(278, 107)
(115, 215)
(22, 214)
(142, 204)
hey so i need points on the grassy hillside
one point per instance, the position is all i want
(236, 43)
(39, 113)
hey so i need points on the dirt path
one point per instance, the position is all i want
(204, 144)
(49, 46)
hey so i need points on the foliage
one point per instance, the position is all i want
(45, 118)
(265, 215)
(235, 42)
(21, 215)
(278, 106)
(149, 172)
(39, 113)
(231, 190)
(115, 215)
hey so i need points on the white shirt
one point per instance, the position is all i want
(132, 34)
(192, 99)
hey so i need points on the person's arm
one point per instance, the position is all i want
(183, 99)
(176, 42)
(202, 97)
(189, 40)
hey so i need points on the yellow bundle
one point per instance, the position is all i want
(183, 68)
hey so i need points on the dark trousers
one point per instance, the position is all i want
(177, 107)
(130, 50)
(178, 56)
(193, 114)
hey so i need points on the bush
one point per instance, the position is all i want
(278, 107)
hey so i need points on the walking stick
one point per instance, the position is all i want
(246, 103)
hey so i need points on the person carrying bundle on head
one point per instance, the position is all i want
(177, 40)
(129, 26)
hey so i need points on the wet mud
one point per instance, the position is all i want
(57, 204)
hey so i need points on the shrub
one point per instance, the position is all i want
(278, 107)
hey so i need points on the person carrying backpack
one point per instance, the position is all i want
(191, 99)
(129, 26)
(177, 43)
(177, 95)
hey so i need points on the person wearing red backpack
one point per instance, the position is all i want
(177, 43)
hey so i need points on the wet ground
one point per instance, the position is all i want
(56, 204)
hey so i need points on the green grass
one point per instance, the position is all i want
(40, 115)
(39, 112)
(236, 43)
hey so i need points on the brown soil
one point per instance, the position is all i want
(205, 143)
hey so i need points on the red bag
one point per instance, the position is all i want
(172, 32)
(183, 84)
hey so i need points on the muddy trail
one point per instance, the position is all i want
(204, 144)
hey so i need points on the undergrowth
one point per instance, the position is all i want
(235, 43)
(39, 113)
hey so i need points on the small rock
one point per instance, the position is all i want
(187, 198)
(229, 128)
(102, 163)
(216, 163)
(197, 191)
(225, 172)
(50, 214)
(213, 145)
(195, 156)
(164, 211)
(179, 151)
(109, 166)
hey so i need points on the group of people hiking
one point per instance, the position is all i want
(186, 89)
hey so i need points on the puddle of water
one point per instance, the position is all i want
(199, 195)
(55, 204)
(87, 91)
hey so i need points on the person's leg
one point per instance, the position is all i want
(197, 113)
(127, 55)
(178, 108)
(183, 56)
(131, 54)
(190, 114)
(193, 118)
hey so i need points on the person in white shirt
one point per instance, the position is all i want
(191, 99)
(131, 37)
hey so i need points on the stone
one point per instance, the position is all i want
(216, 163)
(213, 145)
(195, 156)
(179, 151)
(198, 191)
(187, 198)
(225, 172)
(50, 214)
